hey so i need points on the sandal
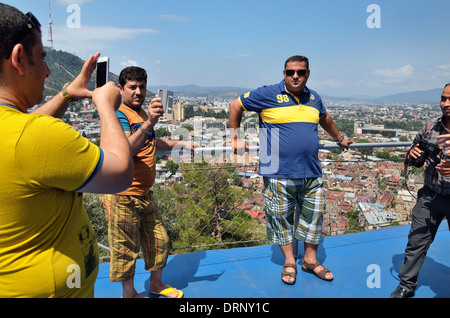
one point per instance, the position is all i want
(284, 272)
(309, 268)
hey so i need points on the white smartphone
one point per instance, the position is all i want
(102, 71)
(166, 100)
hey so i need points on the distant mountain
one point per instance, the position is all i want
(191, 90)
(65, 67)
(416, 97)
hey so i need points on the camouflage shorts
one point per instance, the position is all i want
(294, 209)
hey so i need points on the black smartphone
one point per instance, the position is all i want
(102, 71)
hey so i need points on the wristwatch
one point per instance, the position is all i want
(150, 134)
(66, 95)
(341, 140)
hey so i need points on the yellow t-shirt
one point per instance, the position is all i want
(47, 244)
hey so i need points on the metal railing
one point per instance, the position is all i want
(206, 207)
(330, 145)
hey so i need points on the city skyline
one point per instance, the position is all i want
(356, 48)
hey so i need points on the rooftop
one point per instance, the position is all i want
(365, 265)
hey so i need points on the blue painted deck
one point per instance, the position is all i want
(254, 272)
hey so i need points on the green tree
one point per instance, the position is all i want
(162, 132)
(171, 166)
(204, 208)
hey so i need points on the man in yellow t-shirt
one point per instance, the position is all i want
(47, 244)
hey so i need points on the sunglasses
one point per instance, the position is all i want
(299, 72)
(33, 22)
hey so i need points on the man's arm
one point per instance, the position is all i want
(116, 171)
(138, 139)
(77, 90)
(235, 118)
(166, 144)
(327, 123)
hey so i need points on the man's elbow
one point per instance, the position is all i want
(112, 178)
(123, 178)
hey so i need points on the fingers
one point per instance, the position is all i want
(155, 109)
(443, 168)
(78, 89)
(415, 152)
(107, 96)
(444, 141)
(239, 147)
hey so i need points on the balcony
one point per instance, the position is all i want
(365, 233)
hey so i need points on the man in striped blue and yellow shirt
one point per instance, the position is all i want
(289, 116)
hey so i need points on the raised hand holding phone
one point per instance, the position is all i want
(166, 100)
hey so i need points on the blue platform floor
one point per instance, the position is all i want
(365, 265)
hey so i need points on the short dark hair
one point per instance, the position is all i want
(13, 31)
(297, 58)
(132, 73)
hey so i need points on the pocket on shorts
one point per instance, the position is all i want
(124, 200)
(268, 196)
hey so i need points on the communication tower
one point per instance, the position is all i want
(50, 32)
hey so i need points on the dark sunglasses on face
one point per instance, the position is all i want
(299, 72)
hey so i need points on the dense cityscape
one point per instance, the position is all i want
(366, 188)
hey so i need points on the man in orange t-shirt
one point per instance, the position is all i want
(134, 220)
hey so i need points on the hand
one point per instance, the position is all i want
(444, 142)
(443, 168)
(345, 143)
(107, 96)
(155, 111)
(239, 146)
(415, 152)
(188, 146)
(78, 89)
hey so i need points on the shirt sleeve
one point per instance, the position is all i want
(253, 101)
(123, 120)
(51, 154)
(321, 107)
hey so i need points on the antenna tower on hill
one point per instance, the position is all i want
(50, 32)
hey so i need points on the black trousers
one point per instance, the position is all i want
(427, 215)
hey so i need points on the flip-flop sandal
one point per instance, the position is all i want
(284, 272)
(309, 268)
(168, 290)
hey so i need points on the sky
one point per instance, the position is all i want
(356, 48)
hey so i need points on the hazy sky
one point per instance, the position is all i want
(356, 47)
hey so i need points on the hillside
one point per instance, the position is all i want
(64, 68)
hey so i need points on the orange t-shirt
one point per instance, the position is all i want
(145, 160)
